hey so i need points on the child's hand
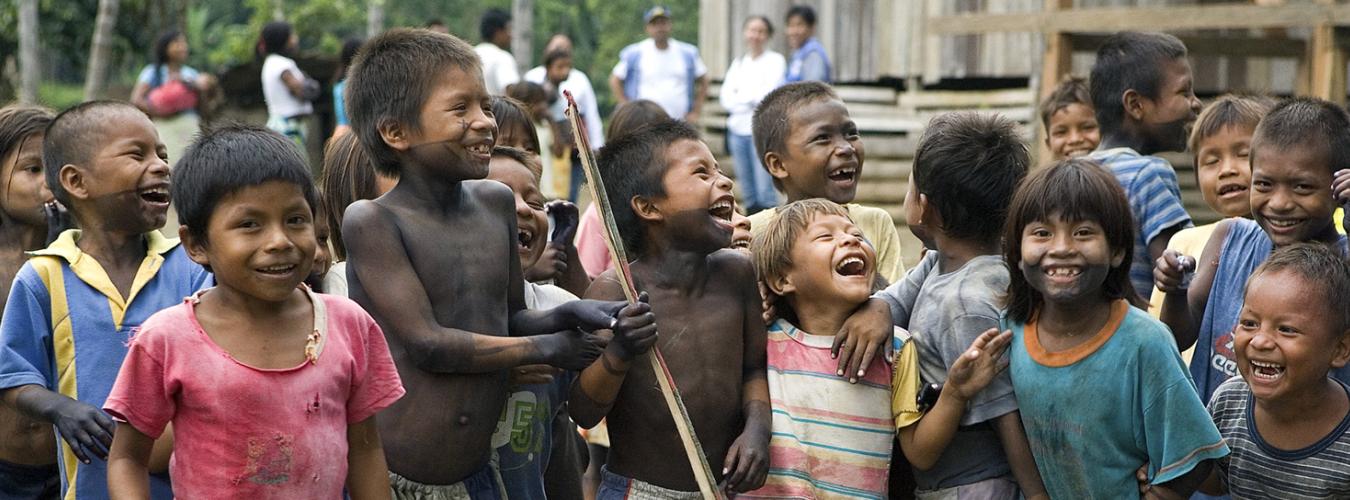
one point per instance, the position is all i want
(552, 264)
(565, 220)
(1170, 270)
(747, 462)
(864, 335)
(635, 331)
(978, 365)
(87, 430)
(532, 374)
(1340, 188)
(572, 349)
(1141, 476)
(588, 314)
(766, 299)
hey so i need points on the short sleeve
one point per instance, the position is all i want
(997, 398)
(905, 385)
(376, 382)
(147, 75)
(700, 69)
(143, 395)
(880, 231)
(621, 69)
(1179, 432)
(1156, 201)
(814, 68)
(25, 334)
(900, 296)
(189, 74)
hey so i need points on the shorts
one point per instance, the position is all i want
(998, 488)
(295, 128)
(29, 482)
(486, 484)
(616, 487)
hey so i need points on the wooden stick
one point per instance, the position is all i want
(698, 461)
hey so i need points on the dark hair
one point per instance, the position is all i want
(493, 20)
(771, 119)
(968, 165)
(554, 55)
(1230, 110)
(228, 158)
(435, 21)
(1320, 267)
(1129, 60)
(632, 165)
(512, 114)
(72, 136)
(392, 77)
(767, 24)
(805, 12)
(349, 48)
(633, 116)
(275, 36)
(162, 55)
(18, 122)
(529, 160)
(1304, 122)
(526, 92)
(1073, 189)
(1071, 90)
(347, 177)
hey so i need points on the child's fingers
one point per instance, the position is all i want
(729, 464)
(867, 355)
(845, 354)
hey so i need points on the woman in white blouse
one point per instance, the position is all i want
(750, 78)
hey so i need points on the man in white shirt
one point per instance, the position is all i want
(662, 69)
(499, 66)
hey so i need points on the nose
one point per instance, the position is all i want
(1195, 102)
(1261, 340)
(844, 148)
(158, 166)
(279, 239)
(1062, 244)
(723, 182)
(1076, 136)
(1280, 201)
(1229, 166)
(523, 209)
(44, 194)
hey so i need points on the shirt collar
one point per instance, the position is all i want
(66, 248)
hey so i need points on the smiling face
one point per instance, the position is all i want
(531, 218)
(1067, 261)
(323, 258)
(740, 234)
(125, 183)
(1073, 132)
(1168, 118)
(23, 187)
(698, 205)
(1284, 340)
(831, 263)
(823, 155)
(1224, 170)
(798, 31)
(756, 34)
(457, 128)
(1291, 194)
(260, 241)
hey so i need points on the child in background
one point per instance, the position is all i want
(28, 468)
(831, 436)
(515, 128)
(551, 142)
(813, 150)
(1070, 124)
(92, 287)
(349, 48)
(740, 234)
(674, 207)
(286, 89)
(1100, 385)
(250, 349)
(348, 176)
(1294, 152)
(1286, 420)
(1143, 96)
(323, 252)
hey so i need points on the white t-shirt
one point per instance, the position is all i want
(499, 68)
(580, 86)
(663, 76)
(280, 102)
(747, 82)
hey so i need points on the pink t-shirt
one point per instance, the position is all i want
(590, 243)
(244, 432)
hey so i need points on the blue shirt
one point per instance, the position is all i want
(1097, 412)
(809, 63)
(339, 103)
(1150, 184)
(66, 328)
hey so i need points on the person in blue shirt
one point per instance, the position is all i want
(349, 48)
(809, 60)
(75, 304)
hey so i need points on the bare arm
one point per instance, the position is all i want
(1018, 451)
(1182, 487)
(924, 442)
(1214, 485)
(616, 89)
(1158, 244)
(1183, 307)
(138, 94)
(129, 464)
(597, 387)
(747, 462)
(700, 95)
(367, 473)
(87, 430)
(294, 84)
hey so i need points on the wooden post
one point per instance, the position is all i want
(1056, 62)
(30, 73)
(1327, 65)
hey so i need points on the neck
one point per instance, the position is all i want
(1126, 138)
(112, 248)
(415, 183)
(665, 265)
(173, 65)
(756, 52)
(1080, 318)
(820, 317)
(231, 299)
(1307, 404)
(662, 44)
(954, 253)
(20, 237)
(1328, 237)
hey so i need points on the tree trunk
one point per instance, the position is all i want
(97, 78)
(29, 72)
(374, 18)
(522, 32)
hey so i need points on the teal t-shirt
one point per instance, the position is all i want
(1097, 412)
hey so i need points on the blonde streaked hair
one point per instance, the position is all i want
(1230, 110)
(772, 247)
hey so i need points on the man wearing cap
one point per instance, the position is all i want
(662, 69)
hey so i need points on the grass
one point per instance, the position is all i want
(59, 95)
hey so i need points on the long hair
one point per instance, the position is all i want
(18, 123)
(162, 55)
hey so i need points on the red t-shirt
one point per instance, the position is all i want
(245, 432)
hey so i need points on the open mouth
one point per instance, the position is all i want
(1063, 273)
(278, 270)
(1266, 371)
(158, 195)
(483, 149)
(741, 244)
(1231, 189)
(525, 237)
(723, 209)
(1283, 223)
(851, 267)
(845, 174)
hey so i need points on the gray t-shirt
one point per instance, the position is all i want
(946, 313)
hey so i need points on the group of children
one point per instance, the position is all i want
(459, 341)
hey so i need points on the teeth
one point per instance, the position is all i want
(1283, 223)
(1262, 364)
(276, 269)
(1062, 271)
(849, 262)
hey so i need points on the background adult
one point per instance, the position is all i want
(662, 69)
(349, 48)
(286, 89)
(170, 92)
(809, 60)
(750, 78)
(558, 75)
(499, 66)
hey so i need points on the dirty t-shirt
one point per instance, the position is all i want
(245, 432)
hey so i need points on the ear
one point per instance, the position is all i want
(1133, 103)
(774, 163)
(927, 216)
(781, 286)
(196, 250)
(1117, 257)
(646, 209)
(393, 134)
(72, 180)
(1341, 353)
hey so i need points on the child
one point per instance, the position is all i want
(1100, 385)
(1221, 141)
(1286, 420)
(298, 376)
(74, 305)
(673, 207)
(28, 451)
(1142, 94)
(965, 171)
(830, 436)
(740, 234)
(813, 150)
(514, 126)
(434, 262)
(323, 253)
(347, 176)
(1294, 151)
(1070, 125)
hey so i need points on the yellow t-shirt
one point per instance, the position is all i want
(876, 226)
(905, 383)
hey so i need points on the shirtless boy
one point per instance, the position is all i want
(434, 262)
(674, 208)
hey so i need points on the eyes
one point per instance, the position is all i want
(1250, 325)
(293, 221)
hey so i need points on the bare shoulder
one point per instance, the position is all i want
(732, 265)
(490, 191)
(606, 286)
(362, 213)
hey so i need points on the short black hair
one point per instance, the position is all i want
(632, 165)
(805, 12)
(771, 120)
(275, 36)
(73, 136)
(350, 46)
(1073, 189)
(1304, 122)
(527, 159)
(1320, 267)
(1071, 90)
(512, 114)
(768, 25)
(968, 164)
(392, 77)
(1129, 60)
(493, 20)
(554, 55)
(633, 116)
(228, 158)
(435, 21)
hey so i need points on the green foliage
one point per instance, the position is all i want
(57, 95)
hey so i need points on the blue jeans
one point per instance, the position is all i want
(756, 183)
